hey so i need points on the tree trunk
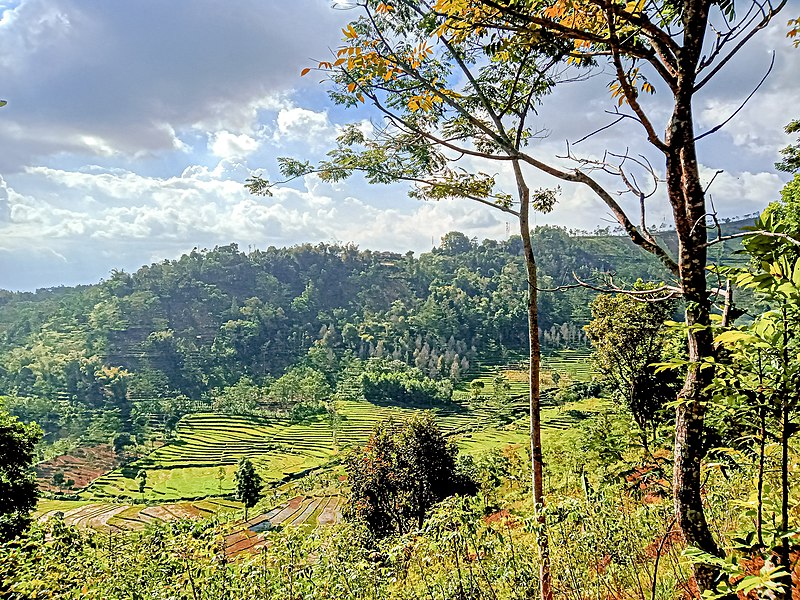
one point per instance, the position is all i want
(690, 411)
(785, 550)
(537, 463)
(687, 198)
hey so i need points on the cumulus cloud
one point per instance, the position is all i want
(225, 144)
(297, 124)
(86, 76)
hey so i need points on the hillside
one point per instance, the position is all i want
(90, 361)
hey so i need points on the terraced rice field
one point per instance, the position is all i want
(104, 516)
(201, 460)
(301, 511)
(574, 364)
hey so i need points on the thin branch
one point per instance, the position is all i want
(394, 176)
(595, 132)
(667, 292)
(719, 172)
(764, 22)
(630, 93)
(742, 105)
(774, 234)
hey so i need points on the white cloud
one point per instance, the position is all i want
(78, 71)
(297, 124)
(225, 144)
(742, 193)
(115, 151)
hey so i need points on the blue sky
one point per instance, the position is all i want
(131, 127)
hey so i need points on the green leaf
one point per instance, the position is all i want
(733, 336)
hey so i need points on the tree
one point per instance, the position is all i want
(121, 441)
(400, 473)
(58, 478)
(500, 396)
(679, 47)
(17, 481)
(791, 154)
(300, 385)
(334, 419)
(240, 399)
(141, 480)
(396, 58)
(628, 336)
(248, 484)
(396, 383)
(220, 478)
(476, 387)
(455, 242)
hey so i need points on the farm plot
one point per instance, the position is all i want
(573, 364)
(82, 466)
(300, 511)
(105, 516)
(201, 461)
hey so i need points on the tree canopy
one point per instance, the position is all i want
(402, 471)
(17, 482)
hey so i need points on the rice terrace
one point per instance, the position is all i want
(191, 474)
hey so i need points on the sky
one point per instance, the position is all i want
(131, 127)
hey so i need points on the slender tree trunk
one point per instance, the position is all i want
(688, 201)
(762, 445)
(785, 550)
(762, 442)
(537, 463)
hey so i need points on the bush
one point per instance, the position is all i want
(400, 474)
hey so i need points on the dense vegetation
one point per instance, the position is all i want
(273, 329)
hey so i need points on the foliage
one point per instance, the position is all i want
(575, 391)
(179, 336)
(758, 378)
(629, 337)
(121, 441)
(394, 382)
(141, 480)
(400, 474)
(300, 385)
(791, 154)
(17, 483)
(248, 484)
(242, 398)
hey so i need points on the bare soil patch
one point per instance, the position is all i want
(82, 465)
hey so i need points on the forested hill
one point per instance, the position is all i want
(203, 321)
